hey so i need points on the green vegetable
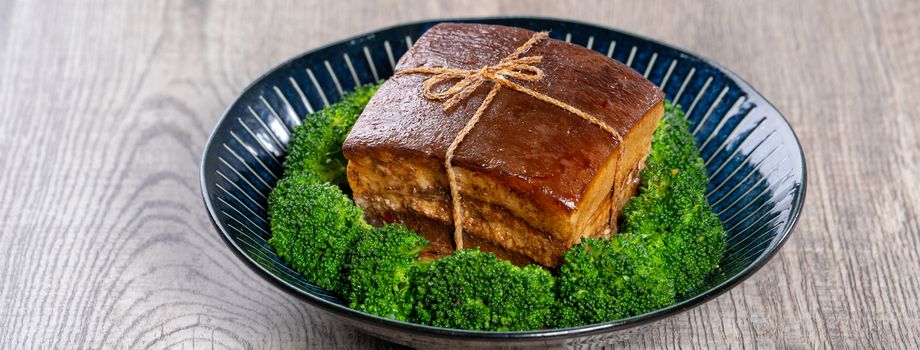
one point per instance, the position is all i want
(315, 148)
(604, 280)
(379, 272)
(475, 290)
(669, 242)
(314, 225)
(671, 207)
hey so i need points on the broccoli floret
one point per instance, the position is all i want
(605, 280)
(670, 239)
(672, 207)
(475, 290)
(692, 236)
(314, 225)
(674, 149)
(315, 148)
(379, 272)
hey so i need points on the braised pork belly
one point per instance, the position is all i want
(533, 178)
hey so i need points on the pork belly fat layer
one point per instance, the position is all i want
(392, 189)
(403, 191)
(541, 165)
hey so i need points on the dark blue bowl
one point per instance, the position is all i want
(755, 162)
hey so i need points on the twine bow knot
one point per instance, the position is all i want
(468, 81)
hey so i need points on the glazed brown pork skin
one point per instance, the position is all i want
(534, 178)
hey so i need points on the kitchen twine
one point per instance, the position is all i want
(499, 74)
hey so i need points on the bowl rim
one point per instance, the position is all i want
(344, 311)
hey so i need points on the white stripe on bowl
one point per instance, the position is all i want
(291, 112)
(755, 231)
(244, 192)
(632, 54)
(322, 95)
(738, 168)
(240, 159)
(303, 96)
(253, 153)
(275, 132)
(773, 194)
(335, 79)
(651, 62)
(738, 149)
(709, 110)
(747, 190)
(664, 81)
(683, 85)
(240, 175)
(698, 95)
(370, 63)
(732, 111)
(251, 241)
(240, 201)
(389, 50)
(220, 198)
(274, 113)
(266, 143)
(351, 69)
(744, 254)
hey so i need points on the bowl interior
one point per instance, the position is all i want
(756, 167)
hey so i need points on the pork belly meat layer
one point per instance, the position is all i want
(533, 177)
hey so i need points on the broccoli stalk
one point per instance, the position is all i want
(379, 272)
(475, 290)
(314, 225)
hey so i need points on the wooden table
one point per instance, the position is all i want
(105, 108)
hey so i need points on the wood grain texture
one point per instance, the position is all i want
(105, 108)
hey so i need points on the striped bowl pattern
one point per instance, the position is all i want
(756, 166)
